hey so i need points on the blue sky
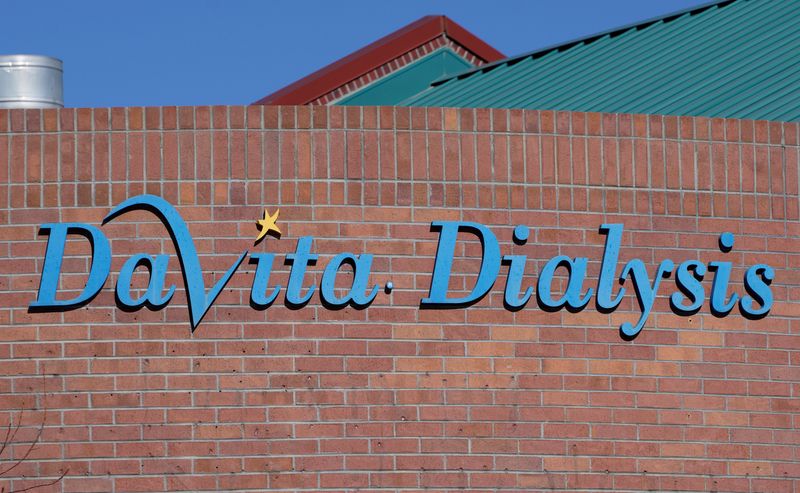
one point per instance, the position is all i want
(180, 52)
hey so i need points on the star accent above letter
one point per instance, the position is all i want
(267, 225)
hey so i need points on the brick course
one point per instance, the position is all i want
(394, 397)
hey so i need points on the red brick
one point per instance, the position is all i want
(394, 396)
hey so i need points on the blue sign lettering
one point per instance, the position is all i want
(153, 298)
(356, 295)
(199, 301)
(560, 284)
(53, 258)
(440, 281)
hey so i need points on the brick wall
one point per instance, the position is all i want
(394, 397)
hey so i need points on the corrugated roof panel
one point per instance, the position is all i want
(734, 59)
(407, 81)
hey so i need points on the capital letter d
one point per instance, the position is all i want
(51, 271)
(490, 264)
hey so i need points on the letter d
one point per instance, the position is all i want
(51, 271)
(490, 264)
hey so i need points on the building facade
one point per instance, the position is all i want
(392, 394)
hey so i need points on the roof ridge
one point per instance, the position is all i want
(592, 37)
(379, 52)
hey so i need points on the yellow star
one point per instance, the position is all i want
(267, 224)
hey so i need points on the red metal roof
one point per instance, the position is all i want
(382, 51)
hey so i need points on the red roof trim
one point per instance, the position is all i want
(469, 41)
(382, 51)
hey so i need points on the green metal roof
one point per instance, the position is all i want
(409, 80)
(733, 59)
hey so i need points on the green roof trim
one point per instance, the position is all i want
(731, 59)
(409, 80)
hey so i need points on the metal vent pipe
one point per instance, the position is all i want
(31, 81)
